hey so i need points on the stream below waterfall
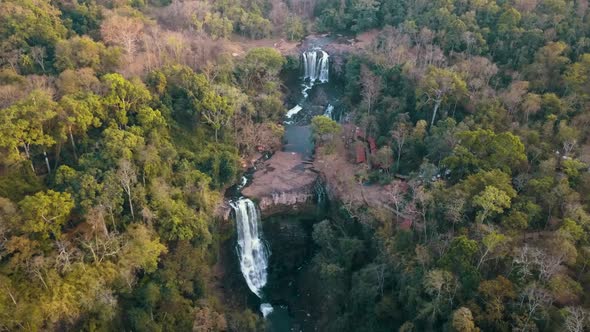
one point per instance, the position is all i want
(273, 254)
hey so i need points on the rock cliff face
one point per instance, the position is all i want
(287, 202)
(285, 183)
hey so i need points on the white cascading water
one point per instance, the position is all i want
(324, 67)
(315, 69)
(243, 183)
(266, 309)
(329, 110)
(252, 251)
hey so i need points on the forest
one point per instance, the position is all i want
(124, 122)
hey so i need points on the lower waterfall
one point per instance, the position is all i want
(252, 251)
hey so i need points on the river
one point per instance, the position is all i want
(274, 253)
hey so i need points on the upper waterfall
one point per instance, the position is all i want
(329, 111)
(252, 251)
(316, 65)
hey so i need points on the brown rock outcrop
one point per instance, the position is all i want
(284, 182)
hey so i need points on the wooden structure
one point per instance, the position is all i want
(372, 145)
(361, 156)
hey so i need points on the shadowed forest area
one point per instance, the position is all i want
(124, 122)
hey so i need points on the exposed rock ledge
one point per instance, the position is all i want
(285, 181)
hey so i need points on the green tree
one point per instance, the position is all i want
(485, 150)
(45, 213)
(577, 78)
(216, 111)
(294, 28)
(440, 87)
(260, 68)
(77, 114)
(77, 81)
(460, 259)
(24, 25)
(25, 125)
(495, 295)
(78, 52)
(362, 14)
(324, 128)
(123, 97)
(143, 249)
(550, 62)
(491, 242)
(218, 26)
(491, 200)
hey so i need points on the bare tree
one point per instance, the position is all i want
(529, 259)
(36, 268)
(127, 177)
(440, 285)
(102, 248)
(530, 105)
(393, 48)
(66, 254)
(38, 53)
(548, 263)
(278, 14)
(122, 31)
(514, 95)
(522, 262)
(396, 191)
(576, 319)
(422, 200)
(371, 85)
(478, 71)
(400, 134)
(454, 210)
(534, 298)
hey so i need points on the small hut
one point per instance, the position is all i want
(361, 156)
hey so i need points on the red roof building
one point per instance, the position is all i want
(406, 225)
(372, 145)
(361, 156)
(359, 134)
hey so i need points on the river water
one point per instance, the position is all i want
(273, 254)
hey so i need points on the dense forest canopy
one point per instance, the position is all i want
(123, 121)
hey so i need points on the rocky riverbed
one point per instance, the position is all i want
(286, 182)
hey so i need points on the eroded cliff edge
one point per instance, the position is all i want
(284, 183)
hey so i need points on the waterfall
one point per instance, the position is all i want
(324, 67)
(252, 251)
(329, 111)
(243, 183)
(293, 111)
(266, 309)
(314, 68)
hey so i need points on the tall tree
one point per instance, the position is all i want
(45, 213)
(216, 111)
(78, 114)
(440, 87)
(371, 87)
(25, 125)
(491, 200)
(127, 177)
